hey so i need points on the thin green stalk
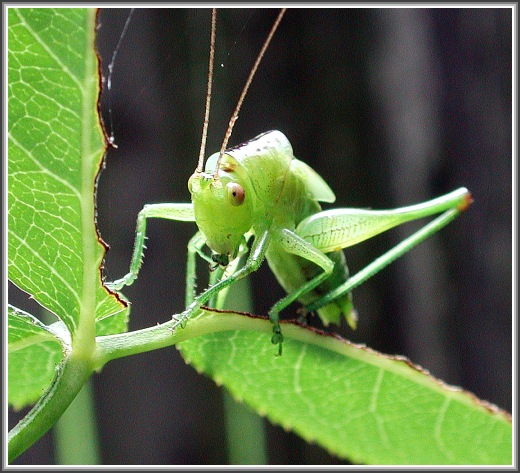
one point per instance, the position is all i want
(245, 430)
(110, 347)
(75, 433)
(245, 434)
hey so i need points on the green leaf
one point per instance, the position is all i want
(34, 351)
(55, 153)
(358, 404)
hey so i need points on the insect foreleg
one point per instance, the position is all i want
(194, 247)
(231, 269)
(387, 258)
(179, 212)
(253, 262)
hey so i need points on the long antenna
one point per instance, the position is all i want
(246, 87)
(208, 94)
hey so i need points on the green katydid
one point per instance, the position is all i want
(260, 191)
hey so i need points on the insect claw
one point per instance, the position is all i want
(277, 338)
(180, 321)
(302, 311)
(302, 316)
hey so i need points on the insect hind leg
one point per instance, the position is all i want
(384, 260)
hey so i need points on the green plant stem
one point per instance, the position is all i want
(75, 433)
(71, 375)
(245, 434)
(163, 335)
(245, 429)
(74, 371)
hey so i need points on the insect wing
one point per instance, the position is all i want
(315, 185)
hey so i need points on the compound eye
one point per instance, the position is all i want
(236, 194)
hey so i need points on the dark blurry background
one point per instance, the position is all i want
(391, 107)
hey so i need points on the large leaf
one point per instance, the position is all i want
(56, 148)
(357, 403)
(55, 152)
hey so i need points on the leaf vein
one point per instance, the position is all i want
(42, 43)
